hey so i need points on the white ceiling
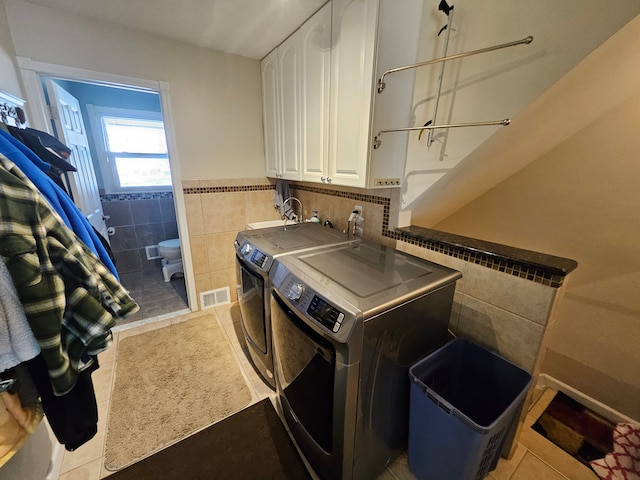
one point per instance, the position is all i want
(251, 28)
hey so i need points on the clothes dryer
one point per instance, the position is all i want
(348, 321)
(255, 253)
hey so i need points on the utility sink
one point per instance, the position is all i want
(267, 224)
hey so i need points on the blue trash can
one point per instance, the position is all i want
(464, 400)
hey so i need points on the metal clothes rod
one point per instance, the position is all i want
(377, 142)
(381, 84)
(442, 67)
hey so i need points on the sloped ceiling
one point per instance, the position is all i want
(251, 28)
(527, 84)
(598, 84)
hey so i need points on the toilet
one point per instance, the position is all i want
(171, 258)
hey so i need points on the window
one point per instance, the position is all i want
(134, 155)
(137, 150)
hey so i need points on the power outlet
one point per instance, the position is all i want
(386, 182)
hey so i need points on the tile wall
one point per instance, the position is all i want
(499, 310)
(505, 313)
(216, 211)
(336, 203)
(139, 220)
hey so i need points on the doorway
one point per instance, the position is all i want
(138, 217)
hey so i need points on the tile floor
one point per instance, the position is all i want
(154, 296)
(535, 457)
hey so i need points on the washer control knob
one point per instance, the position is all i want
(246, 249)
(295, 291)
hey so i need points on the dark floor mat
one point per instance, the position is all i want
(249, 444)
(579, 431)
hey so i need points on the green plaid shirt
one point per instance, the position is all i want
(70, 298)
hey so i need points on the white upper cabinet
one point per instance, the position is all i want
(270, 115)
(289, 79)
(281, 109)
(352, 60)
(369, 38)
(332, 64)
(397, 40)
(315, 41)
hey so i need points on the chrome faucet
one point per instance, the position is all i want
(298, 219)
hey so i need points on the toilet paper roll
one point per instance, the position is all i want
(111, 231)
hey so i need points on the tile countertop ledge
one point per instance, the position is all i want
(518, 261)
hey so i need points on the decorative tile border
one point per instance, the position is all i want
(240, 188)
(118, 197)
(349, 195)
(536, 267)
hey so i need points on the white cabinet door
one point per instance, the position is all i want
(289, 92)
(315, 42)
(353, 30)
(281, 110)
(270, 113)
(398, 38)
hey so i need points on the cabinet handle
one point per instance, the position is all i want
(328, 180)
(322, 179)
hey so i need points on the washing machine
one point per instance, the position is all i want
(256, 250)
(348, 321)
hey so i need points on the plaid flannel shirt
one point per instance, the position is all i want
(69, 297)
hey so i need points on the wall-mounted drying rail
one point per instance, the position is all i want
(377, 141)
(382, 85)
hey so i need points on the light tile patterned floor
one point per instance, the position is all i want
(535, 458)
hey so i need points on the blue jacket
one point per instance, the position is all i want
(34, 169)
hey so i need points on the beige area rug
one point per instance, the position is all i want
(170, 383)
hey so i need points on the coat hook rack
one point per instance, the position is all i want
(11, 112)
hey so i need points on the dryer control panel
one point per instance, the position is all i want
(325, 313)
(311, 304)
(259, 259)
(254, 256)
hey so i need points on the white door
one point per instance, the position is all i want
(71, 132)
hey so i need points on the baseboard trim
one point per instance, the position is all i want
(589, 402)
